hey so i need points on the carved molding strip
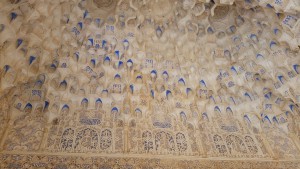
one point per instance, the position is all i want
(90, 161)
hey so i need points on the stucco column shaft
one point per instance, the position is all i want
(44, 138)
(3, 136)
(295, 140)
(267, 145)
(200, 143)
(126, 139)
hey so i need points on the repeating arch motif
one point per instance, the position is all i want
(147, 141)
(235, 144)
(251, 144)
(219, 144)
(86, 139)
(105, 139)
(181, 142)
(164, 141)
(67, 140)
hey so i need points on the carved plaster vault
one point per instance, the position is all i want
(103, 84)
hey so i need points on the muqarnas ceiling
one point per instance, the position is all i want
(186, 79)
